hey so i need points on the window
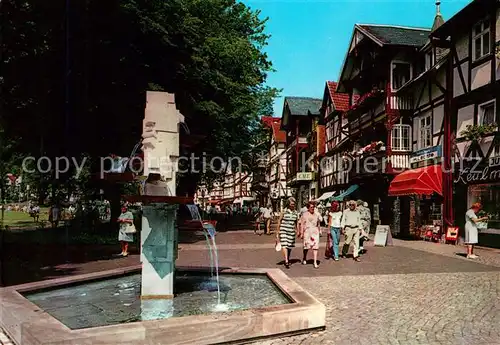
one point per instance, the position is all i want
(489, 196)
(400, 74)
(481, 39)
(401, 140)
(425, 139)
(487, 113)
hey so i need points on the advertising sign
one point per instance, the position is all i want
(427, 154)
(304, 176)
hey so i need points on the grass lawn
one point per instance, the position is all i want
(15, 219)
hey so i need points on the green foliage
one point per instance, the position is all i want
(476, 132)
(210, 53)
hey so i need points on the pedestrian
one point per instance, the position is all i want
(54, 215)
(287, 230)
(266, 216)
(471, 232)
(364, 211)
(310, 232)
(350, 224)
(334, 224)
(127, 230)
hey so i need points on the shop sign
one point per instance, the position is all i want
(494, 162)
(304, 176)
(477, 174)
(426, 154)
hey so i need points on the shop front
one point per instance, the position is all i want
(479, 181)
(421, 190)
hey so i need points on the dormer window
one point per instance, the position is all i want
(400, 74)
(481, 39)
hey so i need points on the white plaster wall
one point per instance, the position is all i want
(462, 46)
(485, 144)
(438, 118)
(435, 140)
(462, 148)
(481, 75)
(498, 25)
(497, 64)
(465, 117)
(441, 78)
(458, 88)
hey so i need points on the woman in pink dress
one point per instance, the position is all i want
(310, 231)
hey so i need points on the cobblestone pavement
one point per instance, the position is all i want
(406, 309)
(410, 293)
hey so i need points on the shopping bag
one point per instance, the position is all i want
(329, 245)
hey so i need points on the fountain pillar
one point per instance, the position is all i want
(159, 230)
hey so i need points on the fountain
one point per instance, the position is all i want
(156, 302)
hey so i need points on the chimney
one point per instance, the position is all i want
(438, 8)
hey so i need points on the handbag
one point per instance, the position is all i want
(278, 246)
(130, 229)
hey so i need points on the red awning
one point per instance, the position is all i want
(421, 181)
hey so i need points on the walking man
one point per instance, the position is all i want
(351, 224)
(364, 211)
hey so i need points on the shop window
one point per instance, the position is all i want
(487, 113)
(481, 39)
(425, 139)
(400, 74)
(401, 138)
(489, 196)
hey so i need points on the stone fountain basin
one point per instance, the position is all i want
(27, 324)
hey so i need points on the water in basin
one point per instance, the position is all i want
(117, 300)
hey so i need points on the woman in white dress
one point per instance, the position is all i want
(125, 236)
(471, 232)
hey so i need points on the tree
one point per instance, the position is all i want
(75, 73)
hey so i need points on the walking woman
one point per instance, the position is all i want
(334, 224)
(471, 232)
(287, 230)
(310, 232)
(127, 230)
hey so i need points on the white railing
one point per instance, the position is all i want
(400, 160)
(401, 102)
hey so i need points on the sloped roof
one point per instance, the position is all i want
(278, 135)
(397, 35)
(303, 105)
(268, 120)
(274, 123)
(438, 21)
(340, 100)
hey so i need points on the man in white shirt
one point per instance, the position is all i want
(266, 213)
(365, 224)
(351, 224)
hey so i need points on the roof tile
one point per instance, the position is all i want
(303, 105)
(340, 100)
(397, 35)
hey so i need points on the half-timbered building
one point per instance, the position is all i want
(473, 37)
(420, 127)
(378, 63)
(275, 170)
(333, 179)
(300, 119)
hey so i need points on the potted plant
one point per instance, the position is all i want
(476, 132)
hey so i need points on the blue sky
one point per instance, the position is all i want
(310, 37)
